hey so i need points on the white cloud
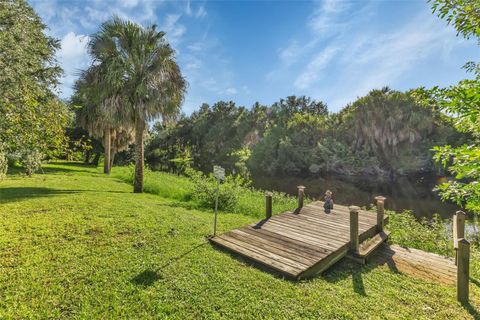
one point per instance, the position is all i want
(293, 52)
(193, 64)
(197, 46)
(73, 46)
(70, 20)
(173, 28)
(201, 12)
(129, 3)
(357, 58)
(231, 91)
(376, 61)
(73, 57)
(323, 23)
(313, 69)
(188, 9)
(325, 16)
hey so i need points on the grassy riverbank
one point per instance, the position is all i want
(249, 201)
(75, 243)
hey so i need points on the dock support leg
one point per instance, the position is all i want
(463, 270)
(458, 230)
(354, 242)
(380, 212)
(301, 194)
(268, 205)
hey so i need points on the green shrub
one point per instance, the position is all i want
(31, 160)
(3, 165)
(205, 187)
(431, 236)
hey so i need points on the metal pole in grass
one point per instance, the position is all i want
(219, 174)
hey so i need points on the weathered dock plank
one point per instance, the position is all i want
(418, 263)
(301, 243)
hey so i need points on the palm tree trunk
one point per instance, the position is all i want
(112, 157)
(106, 146)
(139, 154)
(112, 150)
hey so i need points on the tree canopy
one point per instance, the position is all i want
(462, 102)
(32, 118)
(384, 133)
(138, 75)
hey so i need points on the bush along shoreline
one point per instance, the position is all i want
(197, 190)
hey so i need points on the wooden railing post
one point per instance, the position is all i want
(458, 230)
(268, 205)
(301, 194)
(380, 212)
(463, 270)
(354, 242)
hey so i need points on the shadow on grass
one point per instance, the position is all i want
(173, 203)
(346, 268)
(146, 278)
(475, 281)
(150, 276)
(255, 264)
(471, 309)
(21, 193)
(66, 171)
(57, 168)
(15, 194)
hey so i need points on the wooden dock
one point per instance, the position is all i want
(301, 243)
(420, 264)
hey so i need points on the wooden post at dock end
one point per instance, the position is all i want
(463, 270)
(380, 212)
(458, 227)
(354, 242)
(268, 205)
(458, 230)
(301, 195)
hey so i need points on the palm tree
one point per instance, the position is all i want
(139, 65)
(94, 117)
(387, 121)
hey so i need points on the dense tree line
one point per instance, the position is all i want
(384, 133)
(32, 117)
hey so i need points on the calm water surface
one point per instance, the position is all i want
(413, 194)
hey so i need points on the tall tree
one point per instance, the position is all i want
(32, 118)
(139, 65)
(93, 114)
(462, 102)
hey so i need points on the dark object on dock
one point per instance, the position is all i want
(328, 205)
(301, 195)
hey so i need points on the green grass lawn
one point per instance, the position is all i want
(75, 243)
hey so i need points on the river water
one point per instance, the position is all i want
(406, 193)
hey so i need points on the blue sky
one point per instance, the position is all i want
(248, 51)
